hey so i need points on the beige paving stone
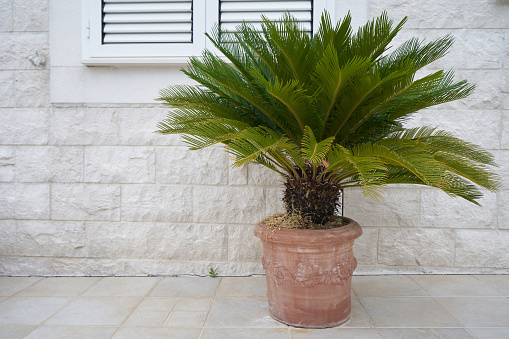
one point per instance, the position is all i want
(15, 332)
(185, 319)
(454, 285)
(186, 287)
(358, 316)
(59, 287)
(334, 333)
(242, 287)
(157, 333)
(477, 312)
(29, 311)
(424, 333)
(122, 287)
(490, 333)
(385, 286)
(407, 312)
(151, 312)
(498, 282)
(247, 333)
(193, 304)
(12, 285)
(72, 332)
(95, 311)
(241, 312)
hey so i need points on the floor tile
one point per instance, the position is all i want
(157, 333)
(29, 311)
(59, 287)
(477, 311)
(186, 287)
(151, 312)
(244, 333)
(425, 333)
(15, 332)
(242, 287)
(334, 333)
(12, 285)
(358, 316)
(186, 319)
(490, 333)
(498, 282)
(407, 312)
(93, 311)
(193, 304)
(385, 286)
(72, 332)
(241, 312)
(122, 287)
(453, 286)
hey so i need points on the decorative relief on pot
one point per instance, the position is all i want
(309, 275)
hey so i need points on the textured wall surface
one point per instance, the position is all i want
(86, 188)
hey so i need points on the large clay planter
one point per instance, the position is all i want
(309, 274)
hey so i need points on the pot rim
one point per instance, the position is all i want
(348, 232)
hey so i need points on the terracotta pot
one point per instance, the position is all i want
(309, 274)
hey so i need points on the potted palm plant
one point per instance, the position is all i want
(326, 112)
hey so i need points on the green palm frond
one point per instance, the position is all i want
(328, 109)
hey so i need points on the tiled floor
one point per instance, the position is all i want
(417, 306)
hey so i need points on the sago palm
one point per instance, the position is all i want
(326, 111)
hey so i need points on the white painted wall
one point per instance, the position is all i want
(86, 188)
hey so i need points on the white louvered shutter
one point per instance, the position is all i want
(233, 12)
(147, 21)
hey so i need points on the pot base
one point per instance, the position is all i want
(315, 327)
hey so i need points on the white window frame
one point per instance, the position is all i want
(205, 15)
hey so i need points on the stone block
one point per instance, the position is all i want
(399, 207)
(274, 201)
(120, 164)
(32, 88)
(8, 239)
(24, 126)
(477, 12)
(7, 89)
(84, 126)
(503, 209)
(482, 248)
(231, 205)
(157, 203)
(24, 201)
(30, 15)
(440, 210)
(51, 239)
(430, 14)
(365, 247)
(416, 247)
(16, 48)
(13, 266)
(85, 202)
(236, 175)
(259, 175)
(243, 245)
(6, 16)
(502, 160)
(49, 164)
(504, 140)
(489, 93)
(179, 165)
(161, 267)
(191, 242)
(121, 240)
(138, 126)
(479, 127)
(87, 267)
(7, 164)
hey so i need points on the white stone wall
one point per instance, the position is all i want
(86, 188)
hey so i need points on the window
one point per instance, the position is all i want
(169, 31)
